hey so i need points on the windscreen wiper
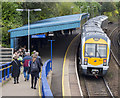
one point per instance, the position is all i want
(87, 53)
(99, 54)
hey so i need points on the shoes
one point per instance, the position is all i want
(34, 87)
(17, 82)
(14, 82)
(25, 79)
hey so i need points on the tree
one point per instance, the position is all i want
(10, 20)
(108, 7)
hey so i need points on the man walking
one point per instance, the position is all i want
(26, 65)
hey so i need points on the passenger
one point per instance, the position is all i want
(39, 58)
(33, 52)
(26, 66)
(16, 69)
(14, 54)
(35, 68)
(20, 57)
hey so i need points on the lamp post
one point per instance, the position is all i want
(87, 8)
(100, 9)
(80, 9)
(72, 9)
(93, 10)
(28, 23)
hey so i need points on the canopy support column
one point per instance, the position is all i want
(12, 42)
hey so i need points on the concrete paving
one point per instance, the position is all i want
(21, 89)
(70, 80)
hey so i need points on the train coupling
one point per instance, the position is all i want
(95, 72)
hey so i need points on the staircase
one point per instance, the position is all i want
(6, 55)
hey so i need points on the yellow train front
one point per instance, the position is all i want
(95, 50)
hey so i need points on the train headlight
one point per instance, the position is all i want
(85, 61)
(104, 62)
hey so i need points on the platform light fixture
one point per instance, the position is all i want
(28, 23)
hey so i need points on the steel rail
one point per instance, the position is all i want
(111, 49)
(108, 88)
(86, 87)
(112, 31)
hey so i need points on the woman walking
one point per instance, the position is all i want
(35, 68)
(16, 69)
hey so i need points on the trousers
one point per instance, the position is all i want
(33, 81)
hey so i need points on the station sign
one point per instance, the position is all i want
(38, 36)
(51, 34)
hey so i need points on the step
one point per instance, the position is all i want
(5, 56)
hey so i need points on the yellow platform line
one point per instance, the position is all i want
(39, 84)
(63, 93)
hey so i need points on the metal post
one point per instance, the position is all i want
(11, 70)
(12, 42)
(51, 54)
(8, 70)
(93, 10)
(80, 9)
(28, 23)
(4, 73)
(87, 9)
(28, 31)
(0, 73)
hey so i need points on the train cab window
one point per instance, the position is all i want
(95, 50)
(89, 50)
(101, 50)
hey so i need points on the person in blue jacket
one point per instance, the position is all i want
(26, 65)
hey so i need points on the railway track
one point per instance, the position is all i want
(113, 31)
(97, 87)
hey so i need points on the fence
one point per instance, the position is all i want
(45, 86)
(5, 71)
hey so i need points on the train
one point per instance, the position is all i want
(94, 48)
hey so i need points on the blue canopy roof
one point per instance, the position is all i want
(48, 25)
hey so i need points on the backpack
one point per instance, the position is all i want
(34, 67)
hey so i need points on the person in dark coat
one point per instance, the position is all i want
(16, 69)
(35, 68)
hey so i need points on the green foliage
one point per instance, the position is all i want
(10, 20)
(108, 7)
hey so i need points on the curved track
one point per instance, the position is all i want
(113, 31)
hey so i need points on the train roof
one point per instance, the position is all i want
(93, 27)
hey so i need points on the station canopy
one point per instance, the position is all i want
(49, 25)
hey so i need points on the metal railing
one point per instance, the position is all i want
(45, 86)
(5, 71)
